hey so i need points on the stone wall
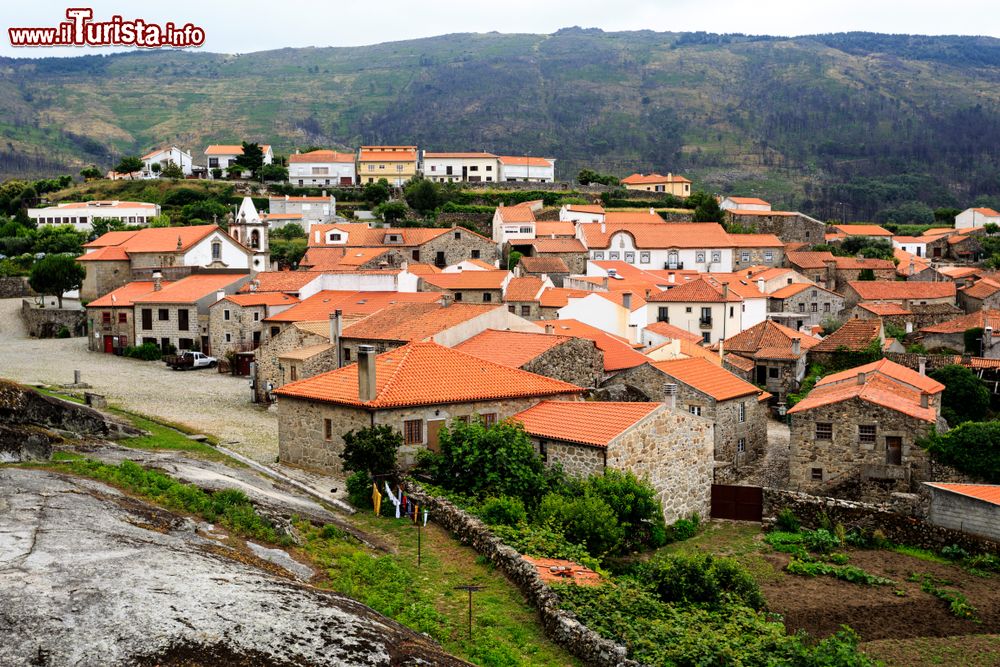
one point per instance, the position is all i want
(103, 277)
(962, 513)
(809, 308)
(119, 324)
(22, 405)
(774, 257)
(533, 311)
(797, 228)
(560, 626)
(169, 328)
(898, 527)
(576, 262)
(243, 323)
(576, 460)
(266, 357)
(477, 222)
(932, 361)
(578, 361)
(466, 246)
(13, 287)
(46, 322)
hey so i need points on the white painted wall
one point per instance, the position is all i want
(918, 249)
(163, 157)
(321, 173)
(970, 218)
(234, 256)
(509, 172)
(622, 247)
(498, 318)
(598, 312)
(566, 215)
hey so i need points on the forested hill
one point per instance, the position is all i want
(818, 123)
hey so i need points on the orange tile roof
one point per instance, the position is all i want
(977, 320)
(633, 217)
(322, 304)
(566, 571)
(281, 281)
(793, 289)
(231, 149)
(554, 228)
(769, 340)
(649, 179)
(884, 309)
(660, 235)
(707, 378)
(111, 253)
(510, 348)
(415, 321)
(958, 272)
(989, 493)
(557, 297)
(585, 208)
(261, 299)
(745, 211)
(516, 213)
(337, 259)
(303, 353)
(158, 239)
(426, 374)
(458, 155)
(618, 297)
(876, 290)
(754, 201)
(544, 264)
(987, 211)
(110, 239)
(862, 230)
(481, 280)
(554, 245)
(859, 263)
(191, 288)
(422, 269)
(911, 239)
(300, 199)
(855, 334)
(125, 296)
(361, 235)
(618, 354)
(321, 156)
(594, 423)
(756, 241)
(981, 289)
(526, 288)
(939, 231)
(104, 205)
(742, 363)
(809, 259)
(702, 290)
(521, 161)
(380, 154)
(671, 331)
(958, 238)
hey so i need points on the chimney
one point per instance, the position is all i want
(366, 373)
(924, 399)
(446, 300)
(670, 395)
(627, 300)
(760, 285)
(652, 211)
(604, 227)
(220, 294)
(670, 278)
(909, 327)
(550, 329)
(336, 329)
(157, 281)
(861, 378)
(324, 193)
(922, 365)
(796, 346)
(725, 290)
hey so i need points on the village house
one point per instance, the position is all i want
(903, 292)
(703, 246)
(834, 272)
(82, 214)
(855, 335)
(911, 267)
(965, 247)
(305, 210)
(888, 312)
(164, 157)
(523, 296)
(951, 334)
(176, 316)
(321, 167)
(440, 246)
(571, 251)
(874, 232)
(396, 164)
(671, 184)
(712, 307)
(352, 259)
(236, 322)
(621, 313)
(982, 294)
(915, 245)
(527, 169)
(324, 303)
(110, 326)
(670, 449)
(776, 356)
(799, 305)
(415, 390)
(789, 226)
(575, 360)
(516, 223)
(468, 286)
(117, 258)
(657, 333)
(543, 266)
(744, 204)
(582, 213)
(703, 389)
(619, 354)
(681, 348)
(970, 508)
(775, 278)
(753, 250)
(223, 156)
(864, 424)
(972, 218)
(461, 167)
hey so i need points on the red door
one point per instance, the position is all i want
(109, 345)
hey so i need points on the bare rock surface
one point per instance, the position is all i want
(89, 576)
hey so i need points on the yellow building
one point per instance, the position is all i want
(396, 164)
(670, 184)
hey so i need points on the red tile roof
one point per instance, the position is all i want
(989, 493)
(341, 259)
(110, 239)
(479, 280)
(702, 290)
(854, 334)
(386, 154)
(458, 155)
(525, 288)
(742, 363)
(981, 289)
(125, 296)
(858, 263)
(415, 321)
(588, 423)
(557, 297)
(281, 281)
(885, 290)
(618, 354)
(521, 161)
(987, 211)
(649, 179)
(554, 245)
(231, 149)
(585, 208)
(633, 218)
(510, 348)
(111, 253)
(671, 331)
(157, 239)
(660, 235)
(769, 340)
(261, 299)
(322, 304)
(707, 378)
(321, 156)
(426, 374)
(554, 228)
(544, 264)
(516, 213)
(862, 230)
(809, 259)
(884, 309)
(977, 320)
(749, 201)
(191, 288)
(756, 241)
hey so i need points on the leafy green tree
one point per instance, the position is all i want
(513, 257)
(991, 228)
(907, 213)
(422, 195)
(216, 173)
(635, 505)
(972, 447)
(292, 230)
(586, 520)
(274, 173)
(172, 170)
(206, 210)
(706, 207)
(288, 252)
(588, 176)
(162, 220)
(90, 173)
(155, 167)
(129, 164)
(252, 158)
(965, 397)
(946, 215)
(54, 239)
(376, 193)
(371, 450)
(54, 275)
(391, 211)
(101, 226)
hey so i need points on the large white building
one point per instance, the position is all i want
(461, 167)
(744, 204)
(702, 246)
(713, 307)
(163, 157)
(976, 217)
(523, 168)
(322, 167)
(82, 214)
(220, 156)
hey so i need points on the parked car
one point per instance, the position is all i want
(187, 360)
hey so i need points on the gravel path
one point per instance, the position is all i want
(772, 469)
(204, 400)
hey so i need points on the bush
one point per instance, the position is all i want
(371, 450)
(972, 447)
(145, 352)
(965, 397)
(63, 332)
(821, 541)
(848, 573)
(701, 578)
(586, 520)
(787, 521)
(544, 542)
(504, 511)
(683, 529)
(359, 490)
(636, 507)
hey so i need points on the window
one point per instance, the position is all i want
(826, 307)
(416, 255)
(731, 311)
(163, 315)
(216, 251)
(663, 314)
(229, 338)
(458, 296)
(614, 254)
(123, 318)
(745, 256)
(688, 309)
(294, 373)
(413, 431)
(256, 316)
(598, 254)
(802, 307)
(824, 431)
(334, 237)
(511, 308)
(475, 254)
(487, 297)
(741, 446)
(458, 236)
(814, 307)
(226, 315)
(275, 331)
(328, 429)
(772, 372)
(543, 451)
(630, 257)
(866, 433)
(489, 419)
(347, 354)
(817, 474)
(742, 412)
(814, 294)
(106, 317)
(768, 255)
(700, 256)
(706, 337)
(183, 320)
(525, 311)
(695, 410)
(527, 230)
(716, 255)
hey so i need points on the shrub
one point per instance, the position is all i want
(63, 332)
(701, 578)
(965, 397)
(683, 529)
(545, 542)
(849, 573)
(954, 552)
(359, 490)
(787, 521)
(146, 352)
(636, 508)
(504, 511)
(371, 450)
(972, 447)
(821, 541)
(586, 520)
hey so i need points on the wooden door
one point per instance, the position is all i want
(433, 434)
(109, 345)
(894, 450)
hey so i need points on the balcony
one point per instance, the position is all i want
(673, 266)
(705, 322)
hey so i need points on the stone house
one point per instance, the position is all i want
(971, 508)
(619, 353)
(415, 389)
(433, 245)
(855, 335)
(110, 325)
(351, 303)
(789, 226)
(352, 259)
(848, 269)
(523, 296)
(713, 307)
(903, 292)
(863, 424)
(300, 284)
(575, 360)
(543, 266)
(306, 210)
(757, 250)
(799, 305)
(980, 295)
(571, 251)
(951, 334)
(965, 247)
(703, 389)
(670, 449)
(484, 287)
(117, 258)
(777, 355)
(236, 322)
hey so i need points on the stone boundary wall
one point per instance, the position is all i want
(896, 526)
(12, 287)
(557, 186)
(46, 322)
(481, 223)
(934, 361)
(560, 626)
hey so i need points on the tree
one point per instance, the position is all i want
(172, 171)
(972, 447)
(56, 239)
(991, 228)
(376, 193)
(252, 158)
(512, 259)
(274, 173)
(422, 195)
(706, 208)
(588, 176)
(155, 167)
(101, 226)
(371, 450)
(129, 165)
(866, 274)
(292, 230)
(391, 211)
(54, 275)
(206, 210)
(90, 173)
(965, 397)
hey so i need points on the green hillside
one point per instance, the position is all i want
(821, 123)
